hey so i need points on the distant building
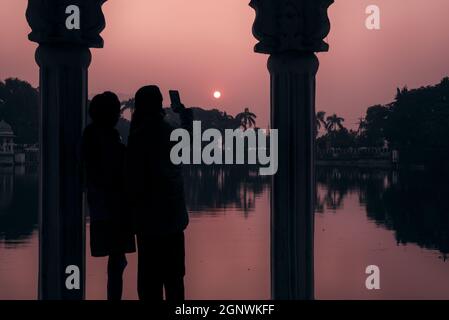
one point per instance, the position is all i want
(6, 144)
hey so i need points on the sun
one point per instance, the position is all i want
(217, 94)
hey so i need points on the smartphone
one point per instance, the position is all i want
(175, 98)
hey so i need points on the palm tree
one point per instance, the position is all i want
(246, 119)
(334, 123)
(320, 119)
(361, 124)
(319, 122)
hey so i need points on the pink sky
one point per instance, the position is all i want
(205, 45)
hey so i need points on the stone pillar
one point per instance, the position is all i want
(291, 31)
(65, 30)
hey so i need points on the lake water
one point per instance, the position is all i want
(397, 221)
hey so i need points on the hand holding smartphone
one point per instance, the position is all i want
(175, 99)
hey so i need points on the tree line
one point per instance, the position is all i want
(416, 123)
(19, 106)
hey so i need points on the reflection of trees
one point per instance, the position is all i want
(417, 208)
(19, 217)
(336, 185)
(213, 187)
(412, 204)
(208, 189)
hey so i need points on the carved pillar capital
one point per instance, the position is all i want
(291, 25)
(47, 19)
(305, 63)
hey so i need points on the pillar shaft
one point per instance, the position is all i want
(63, 57)
(63, 89)
(293, 192)
(291, 31)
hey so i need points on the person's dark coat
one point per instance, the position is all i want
(103, 157)
(155, 185)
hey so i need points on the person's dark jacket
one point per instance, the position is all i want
(155, 186)
(103, 157)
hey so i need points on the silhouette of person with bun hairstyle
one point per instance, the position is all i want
(103, 157)
(155, 188)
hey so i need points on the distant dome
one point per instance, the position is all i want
(5, 129)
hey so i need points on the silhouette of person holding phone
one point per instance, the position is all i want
(155, 188)
(103, 155)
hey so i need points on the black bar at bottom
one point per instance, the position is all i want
(281, 309)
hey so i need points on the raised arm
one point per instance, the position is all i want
(186, 117)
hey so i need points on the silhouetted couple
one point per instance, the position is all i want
(136, 190)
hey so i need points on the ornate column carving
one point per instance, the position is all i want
(291, 31)
(63, 56)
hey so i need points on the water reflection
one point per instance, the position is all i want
(412, 204)
(228, 238)
(209, 189)
(227, 241)
(397, 220)
(18, 204)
